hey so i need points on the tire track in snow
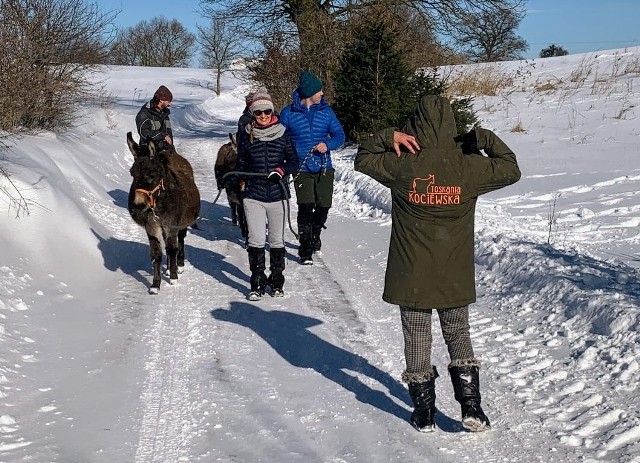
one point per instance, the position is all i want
(323, 292)
(165, 397)
(328, 301)
(169, 421)
(164, 406)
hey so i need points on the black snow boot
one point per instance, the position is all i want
(316, 243)
(305, 229)
(466, 389)
(319, 219)
(258, 278)
(276, 265)
(423, 395)
(305, 250)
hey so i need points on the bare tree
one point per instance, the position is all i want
(48, 49)
(491, 36)
(8, 189)
(220, 45)
(157, 42)
(277, 69)
(317, 30)
(306, 20)
(416, 33)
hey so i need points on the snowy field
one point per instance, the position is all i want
(94, 369)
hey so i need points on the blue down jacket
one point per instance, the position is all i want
(263, 157)
(310, 126)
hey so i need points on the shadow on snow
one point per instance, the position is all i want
(288, 334)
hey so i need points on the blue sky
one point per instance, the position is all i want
(581, 25)
(577, 25)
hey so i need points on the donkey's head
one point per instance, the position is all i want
(228, 153)
(150, 150)
(148, 172)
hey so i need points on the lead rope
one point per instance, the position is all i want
(323, 165)
(284, 190)
(304, 161)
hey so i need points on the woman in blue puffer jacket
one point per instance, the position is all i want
(316, 131)
(265, 147)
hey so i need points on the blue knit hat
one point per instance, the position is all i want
(308, 85)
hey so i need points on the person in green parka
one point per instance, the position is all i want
(435, 178)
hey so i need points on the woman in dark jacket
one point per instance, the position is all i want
(266, 148)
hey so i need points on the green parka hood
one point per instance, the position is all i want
(433, 123)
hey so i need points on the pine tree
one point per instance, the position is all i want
(372, 84)
(375, 86)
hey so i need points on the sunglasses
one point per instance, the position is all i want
(266, 112)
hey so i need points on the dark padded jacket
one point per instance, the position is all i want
(434, 194)
(153, 124)
(263, 157)
(244, 120)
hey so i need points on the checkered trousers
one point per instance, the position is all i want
(416, 328)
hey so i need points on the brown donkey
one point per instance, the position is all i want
(165, 200)
(225, 163)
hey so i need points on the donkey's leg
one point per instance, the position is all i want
(156, 261)
(172, 256)
(242, 220)
(181, 235)
(234, 213)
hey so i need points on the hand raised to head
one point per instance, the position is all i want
(408, 141)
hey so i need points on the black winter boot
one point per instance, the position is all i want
(276, 265)
(305, 229)
(423, 395)
(319, 219)
(316, 243)
(258, 278)
(466, 388)
(305, 251)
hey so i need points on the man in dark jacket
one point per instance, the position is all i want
(434, 189)
(316, 131)
(153, 121)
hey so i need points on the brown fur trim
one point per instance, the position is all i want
(470, 362)
(419, 377)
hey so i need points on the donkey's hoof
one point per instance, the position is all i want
(154, 290)
(173, 281)
(180, 268)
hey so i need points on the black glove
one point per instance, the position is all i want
(276, 174)
(469, 142)
(162, 145)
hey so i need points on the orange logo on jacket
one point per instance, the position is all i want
(426, 192)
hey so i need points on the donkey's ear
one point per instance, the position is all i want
(153, 149)
(133, 146)
(232, 137)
